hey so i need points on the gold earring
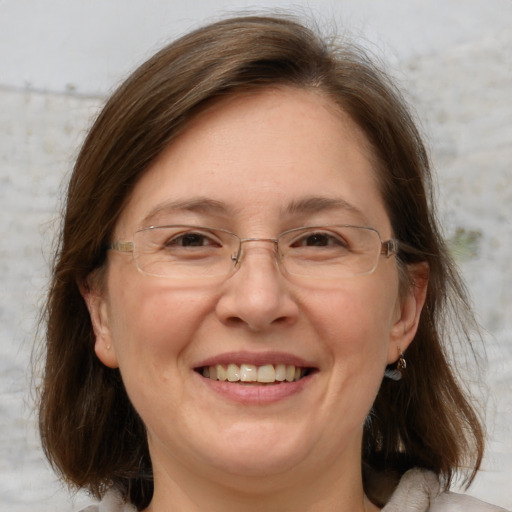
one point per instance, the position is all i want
(396, 372)
(402, 363)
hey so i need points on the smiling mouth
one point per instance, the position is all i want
(252, 374)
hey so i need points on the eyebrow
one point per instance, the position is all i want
(318, 204)
(204, 205)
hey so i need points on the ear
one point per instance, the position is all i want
(409, 310)
(99, 312)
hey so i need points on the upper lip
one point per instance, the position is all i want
(256, 359)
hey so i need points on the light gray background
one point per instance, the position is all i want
(60, 58)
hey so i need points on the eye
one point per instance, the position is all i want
(320, 239)
(192, 239)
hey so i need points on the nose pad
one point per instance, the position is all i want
(238, 257)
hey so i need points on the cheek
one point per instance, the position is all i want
(155, 328)
(355, 320)
(153, 325)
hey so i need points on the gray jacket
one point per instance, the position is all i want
(419, 491)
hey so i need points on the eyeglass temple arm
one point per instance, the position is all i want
(390, 247)
(121, 246)
(394, 246)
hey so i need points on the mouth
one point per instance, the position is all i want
(250, 374)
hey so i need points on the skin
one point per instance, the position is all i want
(255, 154)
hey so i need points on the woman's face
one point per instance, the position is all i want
(256, 165)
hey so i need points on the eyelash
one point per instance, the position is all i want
(174, 241)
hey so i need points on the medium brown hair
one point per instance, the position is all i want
(89, 429)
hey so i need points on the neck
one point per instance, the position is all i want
(314, 490)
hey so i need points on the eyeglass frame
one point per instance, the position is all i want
(389, 247)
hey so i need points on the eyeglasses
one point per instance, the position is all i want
(323, 252)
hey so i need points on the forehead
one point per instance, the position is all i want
(258, 155)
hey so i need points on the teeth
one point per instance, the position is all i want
(233, 373)
(267, 373)
(248, 373)
(221, 372)
(280, 372)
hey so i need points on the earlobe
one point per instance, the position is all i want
(98, 311)
(411, 304)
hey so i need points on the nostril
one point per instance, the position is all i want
(254, 325)
(234, 321)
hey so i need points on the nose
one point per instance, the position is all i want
(257, 295)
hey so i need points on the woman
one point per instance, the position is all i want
(250, 299)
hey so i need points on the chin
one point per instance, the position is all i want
(259, 451)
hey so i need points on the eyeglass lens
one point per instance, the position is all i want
(195, 252)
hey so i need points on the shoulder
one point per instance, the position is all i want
(415, 492)
(419, 491)
(111, 502)
(452, 502)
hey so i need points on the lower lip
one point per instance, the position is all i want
(254, 393)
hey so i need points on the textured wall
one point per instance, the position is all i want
(464, 94)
